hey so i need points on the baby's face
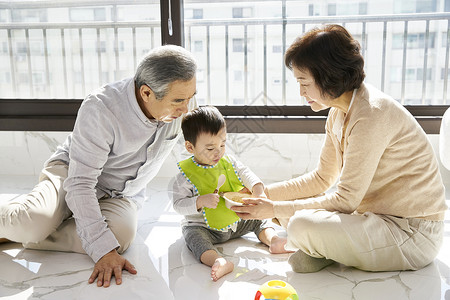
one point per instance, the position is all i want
(209, 149)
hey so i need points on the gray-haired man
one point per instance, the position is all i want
(92, 186)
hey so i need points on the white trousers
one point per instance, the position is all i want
(41, 219)
(368, 242)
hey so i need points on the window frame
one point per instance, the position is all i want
(60, 115)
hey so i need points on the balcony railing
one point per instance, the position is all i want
(363, 22)
(257, 29)
(87, 66)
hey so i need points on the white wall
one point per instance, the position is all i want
(273, 157)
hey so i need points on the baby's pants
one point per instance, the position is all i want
(368, 242)
(41, 220)
(200, 239)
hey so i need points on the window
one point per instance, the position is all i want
(102, 47)
(238, 101)
(77, 77)
(238, 75)
(5, 78)
(105, 77)
(425, 6)
(410, 74)
(242, 12)
(38, 78)
(395, 75)
(200, 75)
(362, 8)
(414, 6)
(311, 9)
(238, 45)
(332, 9)
(87, 14)
(195, 13)
(276, 81)
(200, 101)
(23, 78)
(198, 46)
(29, 15)
(414, 40)
(277, 48)
(420, 74)
(255, 71)
(21, 48)
(36, 48)
(3, 15)
(121, 46)
(67, 49)
(443, 74)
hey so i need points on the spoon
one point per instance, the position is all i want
(220, 182)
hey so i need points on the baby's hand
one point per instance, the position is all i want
(258, 191)
(259, 195)
(208, 200)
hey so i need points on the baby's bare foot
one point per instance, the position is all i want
(221, 267)
(277, 245)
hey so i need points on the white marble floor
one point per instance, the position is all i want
(167, 270)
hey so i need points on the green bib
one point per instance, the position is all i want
(204, 179)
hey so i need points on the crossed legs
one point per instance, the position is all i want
(368, 242)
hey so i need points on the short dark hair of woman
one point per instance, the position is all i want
(205, 119)
(332, 56)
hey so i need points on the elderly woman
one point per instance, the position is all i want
(387, 210)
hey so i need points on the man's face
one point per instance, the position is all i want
(173, 104)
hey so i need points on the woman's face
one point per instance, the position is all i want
(310, 91)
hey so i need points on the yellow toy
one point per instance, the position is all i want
(276, 290)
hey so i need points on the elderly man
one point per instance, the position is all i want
(90, 189)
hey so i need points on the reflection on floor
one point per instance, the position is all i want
(167, 270)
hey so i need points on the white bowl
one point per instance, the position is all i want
(229, 203)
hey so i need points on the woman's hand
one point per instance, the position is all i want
(258, 209)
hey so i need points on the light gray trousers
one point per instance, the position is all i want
(368, 242)
(41, 219)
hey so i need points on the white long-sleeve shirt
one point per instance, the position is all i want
(114, 150)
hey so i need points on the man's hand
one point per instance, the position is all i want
(110, 264)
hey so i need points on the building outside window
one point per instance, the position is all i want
(98, 54)
(87, 14)
(198, 46)
(277, 48)
(332, 9)
(242, 12)
(194, 13)
(29, 15)
(238, 45)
